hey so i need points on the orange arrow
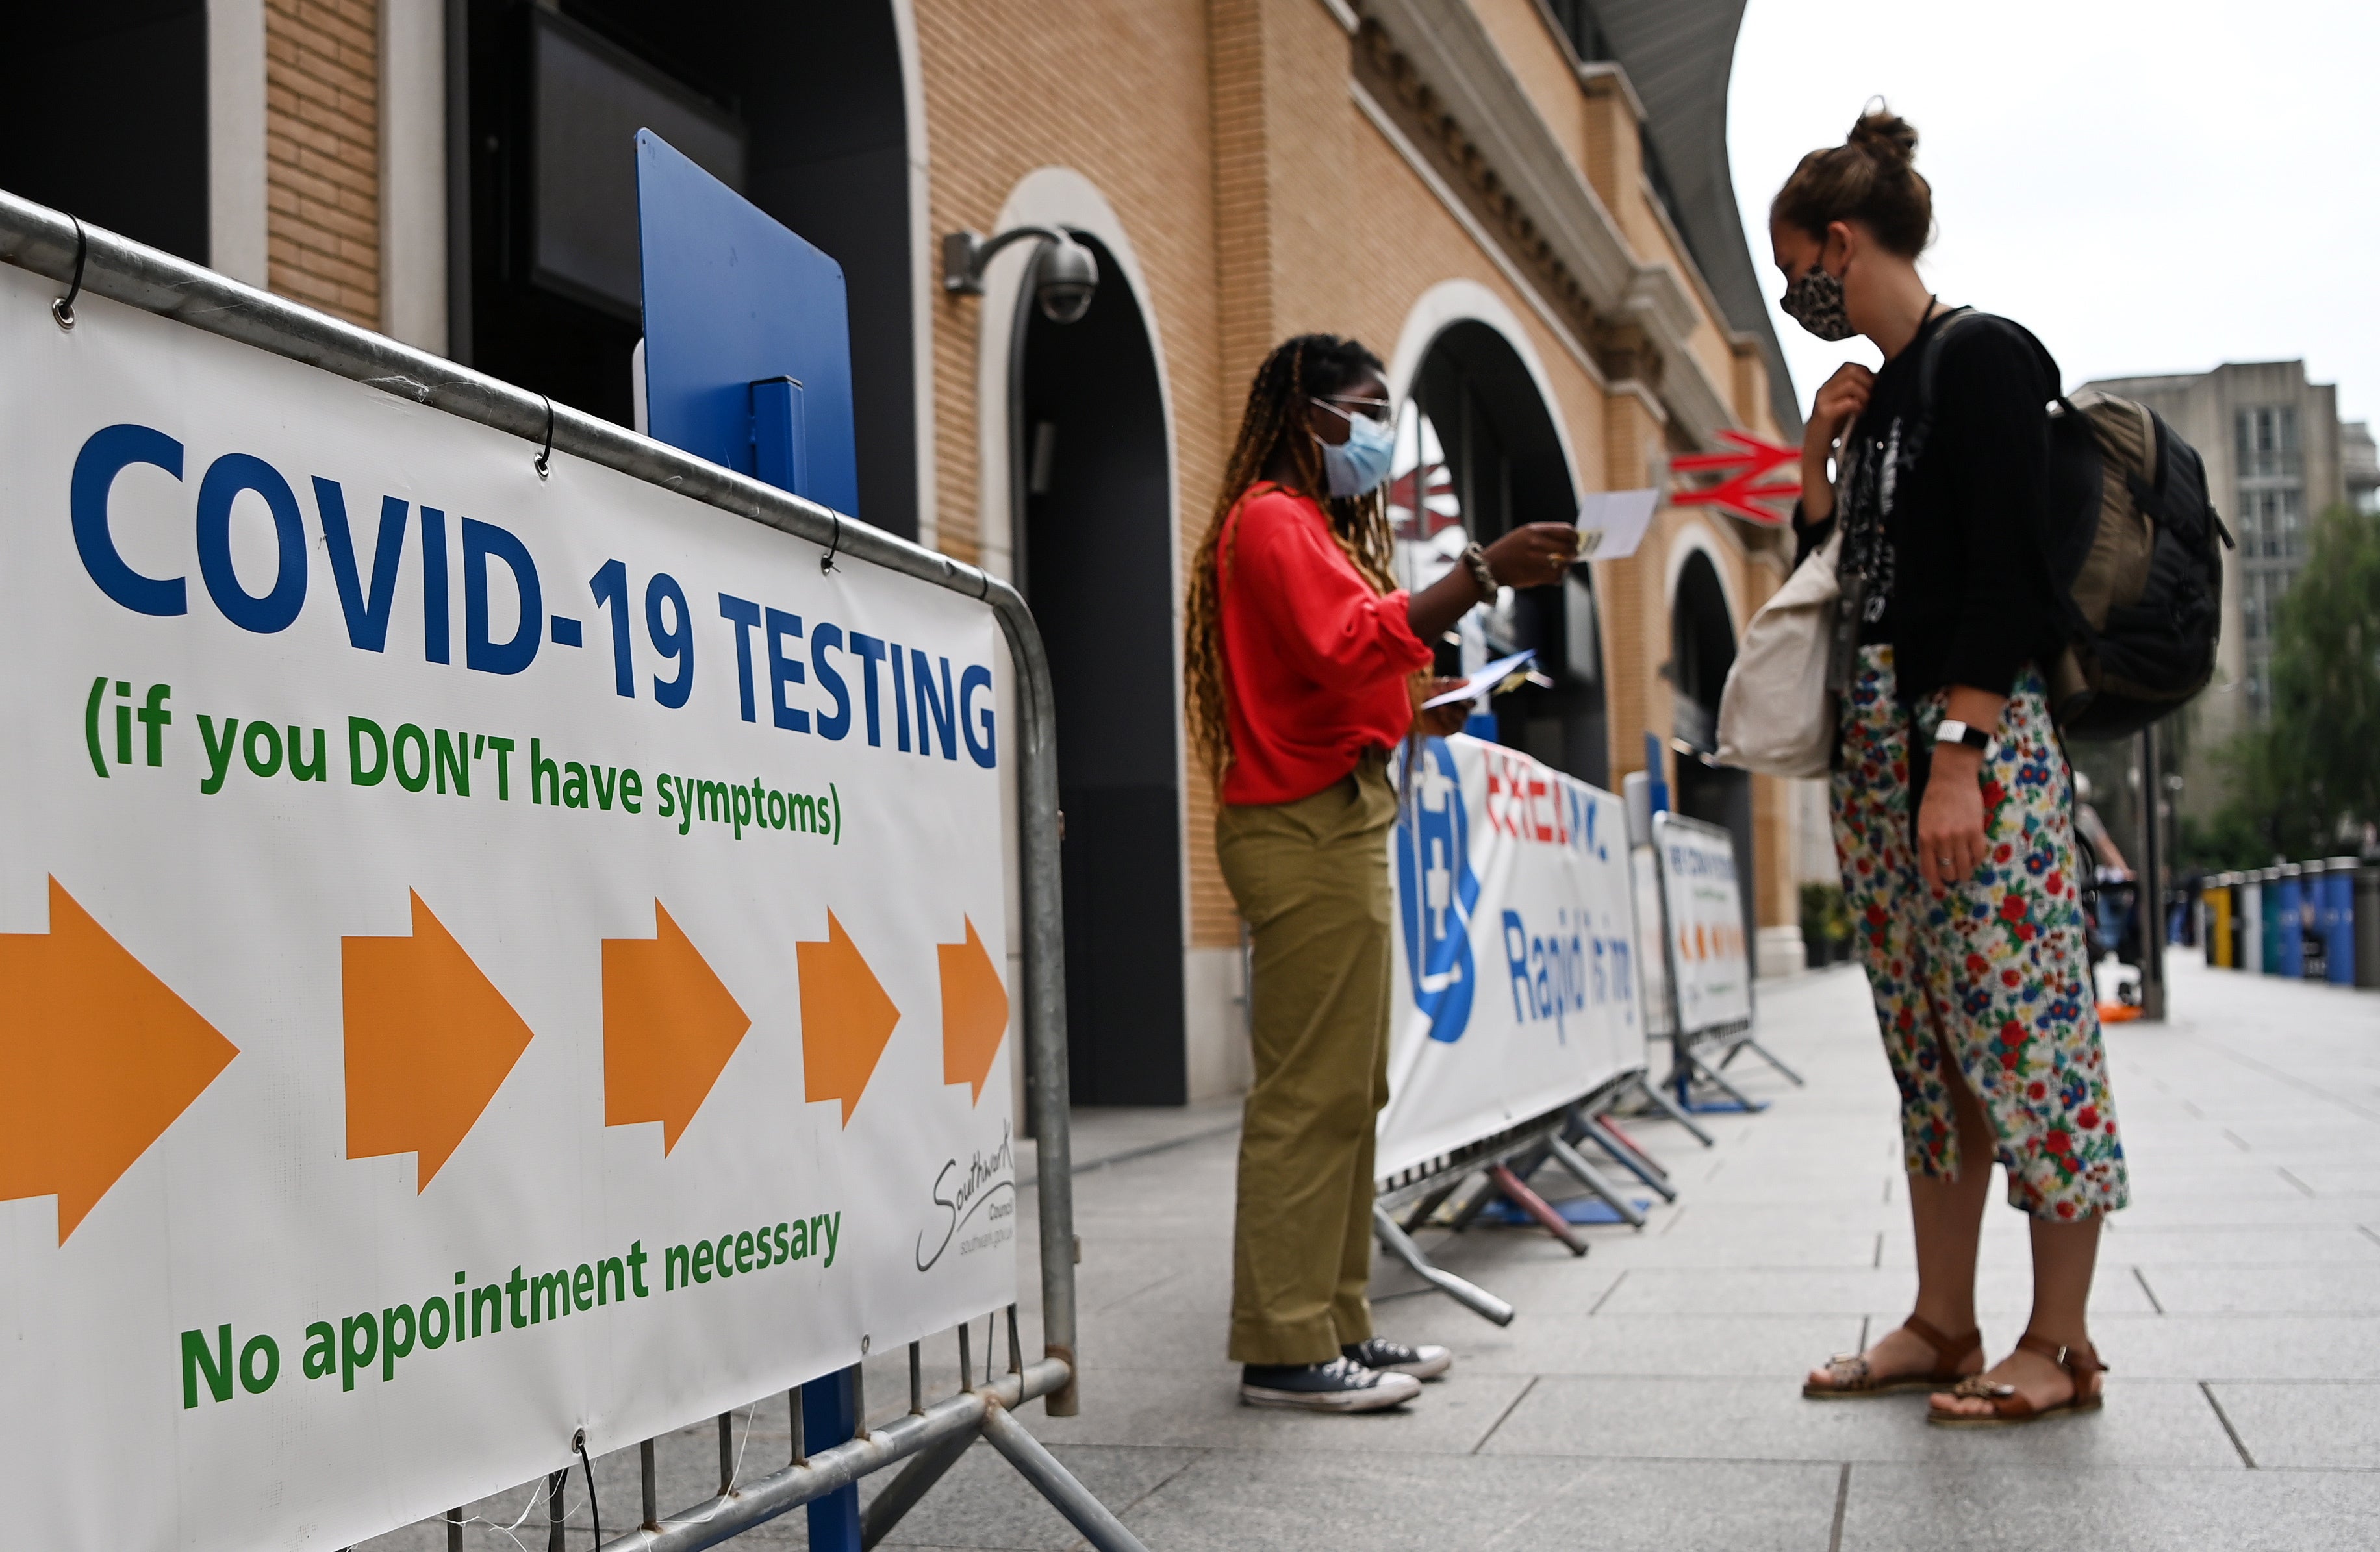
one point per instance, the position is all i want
(669, 1027)
(975, 1011)
(846, 1019)
(97, 1058)
(430, 1040)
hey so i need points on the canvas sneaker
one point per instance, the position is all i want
(1426, 1362)
(1341, 1385)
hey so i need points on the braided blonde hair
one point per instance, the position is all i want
(1309, 367)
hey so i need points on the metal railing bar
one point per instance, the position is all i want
(46, 242)
(708, 1523)
(1036, 1464)
(912, 1483)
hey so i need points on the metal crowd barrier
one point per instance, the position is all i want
(87, 259)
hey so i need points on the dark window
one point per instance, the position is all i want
(107, 117)
(796, 103)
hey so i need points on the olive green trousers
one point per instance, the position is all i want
(1311, 880)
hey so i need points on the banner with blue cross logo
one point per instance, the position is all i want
(1517, 984)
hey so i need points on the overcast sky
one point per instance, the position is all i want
(2151, 186)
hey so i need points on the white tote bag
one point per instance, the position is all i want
(1775, 716)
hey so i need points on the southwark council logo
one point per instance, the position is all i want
(1437, 889)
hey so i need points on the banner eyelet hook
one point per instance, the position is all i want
(63, 308)
(826, 562)
(543, 462)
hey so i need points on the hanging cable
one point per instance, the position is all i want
(594, 1509)
(544, 460)
(63, 308)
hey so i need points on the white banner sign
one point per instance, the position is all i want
(1706, 918)
(1516, 981)
(481, 956)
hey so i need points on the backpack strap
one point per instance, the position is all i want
(1929, 366)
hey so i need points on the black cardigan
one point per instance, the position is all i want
(1969, 594)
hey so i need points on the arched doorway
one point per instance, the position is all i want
(1702, 650)
(800, 105)
(1094, 556)
(1478, 454)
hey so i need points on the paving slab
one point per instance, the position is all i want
(2309, 1425)
(1996, 1508)
(1674, 1417)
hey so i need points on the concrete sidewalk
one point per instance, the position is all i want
(1647, 1395)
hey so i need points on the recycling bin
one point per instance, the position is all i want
(2313, 949)
(2216, 897)
(2367, 925)
(2284, 946)
(2251, 920)
(2339, 921)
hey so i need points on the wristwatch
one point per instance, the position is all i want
(1953, 730)
(1483, 575)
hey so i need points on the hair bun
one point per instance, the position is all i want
(1885, 135)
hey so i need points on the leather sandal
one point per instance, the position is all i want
(2008, 1409)
(1851, 1377)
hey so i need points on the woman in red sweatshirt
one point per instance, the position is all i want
(1303, 657)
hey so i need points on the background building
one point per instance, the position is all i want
(1524, 205)
(2272, 444)
(2358, 466)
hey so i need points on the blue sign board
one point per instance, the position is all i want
(748, 334)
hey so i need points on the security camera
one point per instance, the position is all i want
(1065, 278)
(1065, 275)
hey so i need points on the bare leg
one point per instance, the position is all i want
(1946, 1214)
(2064, 1256)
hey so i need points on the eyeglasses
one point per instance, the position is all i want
(1350, 404)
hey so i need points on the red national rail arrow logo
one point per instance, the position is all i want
(430, 1040)
(669, 1026)
(1745, 491)
(98, 1057)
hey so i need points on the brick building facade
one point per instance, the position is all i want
(1479, 190)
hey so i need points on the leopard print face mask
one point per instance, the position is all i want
(1815, 302)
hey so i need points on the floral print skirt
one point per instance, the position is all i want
(1993, 971)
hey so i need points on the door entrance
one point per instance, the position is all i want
(1095, 560)
(1702, 650)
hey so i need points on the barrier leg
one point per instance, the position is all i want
(1470, 1296)
(1036, 1464)
(1671, 1107)
(1630, 1157)
(830, 1416)
(1710, 1073)
(1517, 1193)
(1748, 1043)
(916, 1479)
(555, 1528)
(1593, 1179)
(1430, 1204)
(1473, 1205)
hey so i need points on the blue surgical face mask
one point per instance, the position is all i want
(1356, 466)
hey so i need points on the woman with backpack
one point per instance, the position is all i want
(1952, 793)
(1303, 656)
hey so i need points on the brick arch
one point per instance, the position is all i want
(1459, 302)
